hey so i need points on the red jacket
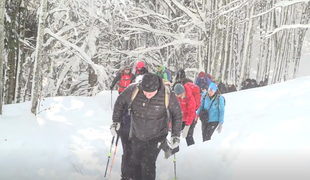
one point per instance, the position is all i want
(124, 81)
(188, 106)
(195, 91)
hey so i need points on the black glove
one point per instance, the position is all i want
(114, 128)
(111, 87)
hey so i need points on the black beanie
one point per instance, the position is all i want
(150, 82)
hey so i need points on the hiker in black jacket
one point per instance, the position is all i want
(180, 75)
(149, 122)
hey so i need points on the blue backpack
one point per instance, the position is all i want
(168, 72)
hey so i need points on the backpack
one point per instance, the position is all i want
(195, 93)
(168, 72)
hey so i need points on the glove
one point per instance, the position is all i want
(111, 87)
(115, 127)
(185, 131)
(219, 128)
(175, 141)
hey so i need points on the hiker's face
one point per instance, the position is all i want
(211, 92)
(180, 95)
(127, 71)
(149, 95)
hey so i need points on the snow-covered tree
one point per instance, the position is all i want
(86, 42)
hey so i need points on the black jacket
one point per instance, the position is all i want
(222, 88)
(231, 88)
(149, 116)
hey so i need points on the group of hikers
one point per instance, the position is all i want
(149, 106)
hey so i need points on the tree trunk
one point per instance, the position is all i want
(2, 8)
(301, 37)
(247, 38)
(38, 58)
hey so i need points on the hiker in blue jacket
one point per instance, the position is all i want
(213, 104)
(202, 81)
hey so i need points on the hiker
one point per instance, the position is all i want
(125, 77)
(141, 69)
(221, 86)
(231, 87)
(150, 104)
(188, 102)
(211, 112)
(161, 72)
(202, 80)
(180, 75)
(246, 84)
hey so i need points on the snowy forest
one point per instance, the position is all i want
(75, 47)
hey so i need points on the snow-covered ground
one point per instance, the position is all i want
(265, 136)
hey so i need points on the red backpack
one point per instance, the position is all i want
(195, 92)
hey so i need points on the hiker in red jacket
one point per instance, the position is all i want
(125, 77)
(188, 105)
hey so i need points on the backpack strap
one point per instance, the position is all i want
(133, 96)
(218, 102)
(167, 98)
(203, 100)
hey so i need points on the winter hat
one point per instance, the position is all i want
(218, 79)
(248, 80)
(179, 89)
(160, 67)
(140, 65)
(150, 82)
(213, 87)
(202, 74)
(127, 67)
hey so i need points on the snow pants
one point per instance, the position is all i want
(208, 129)
(144, 156)
(189, 138)
(126, 166)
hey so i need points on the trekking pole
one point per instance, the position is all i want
(175, 167)
(117, 138)
(111, 100)
(106, 169)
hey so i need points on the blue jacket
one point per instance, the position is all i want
(199, 82)
(216, 112)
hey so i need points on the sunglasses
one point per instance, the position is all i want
(127, 69)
